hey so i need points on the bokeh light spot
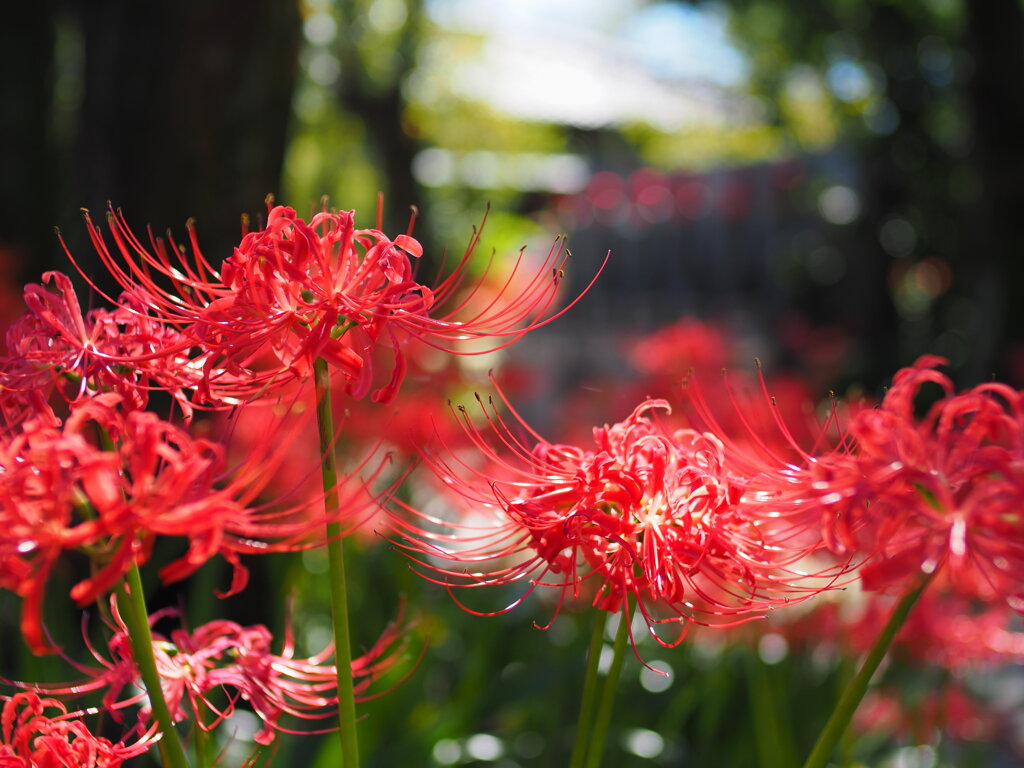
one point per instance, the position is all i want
(657, 679)
(447, 752)
(484, 746)
(839, 205)
(643, 743)
(772, 648)
(897, 236)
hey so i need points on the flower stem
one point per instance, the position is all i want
(336, 561)
(604, 713)
(132, 603)
(771, 730)
(589, 695)
(854, 693)
(202, 739)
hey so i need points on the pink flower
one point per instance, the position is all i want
(294, 291)
(687, 525)
(32, 738)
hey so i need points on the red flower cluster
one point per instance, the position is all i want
(204, 673)
(950, 627)
(948, 709)
(123, 350)
(294, 291)
(60, 491)
(672, 517)
(944, 490)
(31, 738)
(686, 345)
(100, 478)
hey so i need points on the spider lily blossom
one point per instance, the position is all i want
(296, 290)
(54, 347)
(669, 516)
(61, 491)
(944, 490)
(40, 733)
(205, 672)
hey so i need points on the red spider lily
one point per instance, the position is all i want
(31, 738)
(670, 516)
(946, 628)
(59, 491)
(950, 627)
(674, 350)
(294, 291)
(948, 708)
(945, 490)
(53, 346)
(204, 673)
(408, 421)
(773, 417)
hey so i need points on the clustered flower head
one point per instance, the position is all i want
(39, 732)
(61, 490)
(87, 474)
(683, 519)
(684, 346)
(205, 672)
(689, 527)
(943, 490)
(53, 347)
(294, 291)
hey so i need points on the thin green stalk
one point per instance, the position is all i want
(201, 741)
(589, 696)
(772, 737)
(336, 561)
(132, 603)
(844, 750)
(851, 698)
(604, 714)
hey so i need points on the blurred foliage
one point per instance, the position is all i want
(900, 89)
(914, 90)
(370, 68)
(703, 148)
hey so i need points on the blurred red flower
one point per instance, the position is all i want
(54, 347)
(675, 350)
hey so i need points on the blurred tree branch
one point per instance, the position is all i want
(939, 146)
(375, 63)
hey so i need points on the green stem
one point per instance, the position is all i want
(851, 698)
(589, 697)
(202, 741)
(604, 713)
(844, 750)
(132, 603)
(336, 561)
(774, 747)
